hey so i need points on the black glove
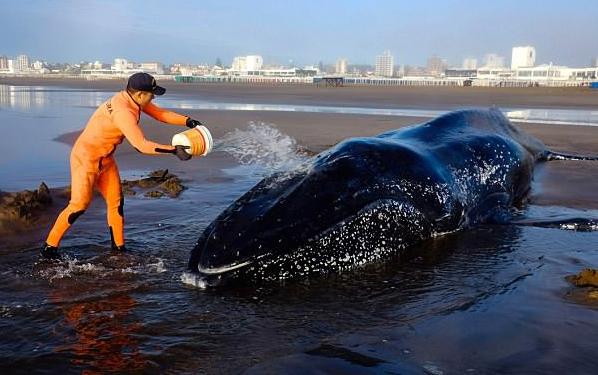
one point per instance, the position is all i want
(192, 123)
(180, 152)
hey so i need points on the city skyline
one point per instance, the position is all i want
(187, 32)
(384, 64)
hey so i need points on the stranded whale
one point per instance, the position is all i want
(370, 197)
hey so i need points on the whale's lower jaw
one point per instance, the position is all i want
(375, 232)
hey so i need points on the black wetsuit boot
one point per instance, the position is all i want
(49, 252)
(121, 248)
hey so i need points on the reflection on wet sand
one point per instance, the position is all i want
(103, 331)
(35, 98)
(22, 98)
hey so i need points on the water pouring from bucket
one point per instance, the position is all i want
(198, 140)
(261, 145)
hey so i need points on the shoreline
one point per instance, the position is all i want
(420, 97)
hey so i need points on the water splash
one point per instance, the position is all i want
(194, 280)
(98, 267)
(262, 144)
(70, 267)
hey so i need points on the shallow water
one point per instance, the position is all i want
(491, 299)
(488, 300)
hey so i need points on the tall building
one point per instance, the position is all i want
(523, 57)
(492, 60)
(248, 63)
(239, 63)
(3, 63)
(436, 65)
(470, 63)
(22, 63)
(384, 64)
(594, 62)
(341, 66)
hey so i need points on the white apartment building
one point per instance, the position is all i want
(384, 64)
(22, 63)
(523, 57)
(341, 66)
(3, 63)
(247, 63)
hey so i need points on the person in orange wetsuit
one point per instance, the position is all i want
(92, 161)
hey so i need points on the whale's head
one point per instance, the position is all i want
(286, 211)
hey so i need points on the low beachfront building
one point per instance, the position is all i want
(554, 73)
(541, 75)
(121, 68)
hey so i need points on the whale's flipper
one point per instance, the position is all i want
(553, 155)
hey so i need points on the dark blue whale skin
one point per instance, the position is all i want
(367, 198)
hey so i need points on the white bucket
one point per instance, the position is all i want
(198, 139)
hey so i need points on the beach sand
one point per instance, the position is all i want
(560, 183)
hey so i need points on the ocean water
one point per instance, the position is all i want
(489, 300)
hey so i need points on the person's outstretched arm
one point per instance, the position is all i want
(127, 123)
(163, 115)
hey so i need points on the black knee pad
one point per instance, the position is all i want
(74, 216)
(111, 237)
(121, 206)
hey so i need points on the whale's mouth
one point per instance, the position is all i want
(214, 271)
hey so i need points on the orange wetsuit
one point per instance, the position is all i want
(92, 163)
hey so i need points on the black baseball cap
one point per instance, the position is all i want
(145, 82)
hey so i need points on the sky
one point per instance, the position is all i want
(302, 32)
